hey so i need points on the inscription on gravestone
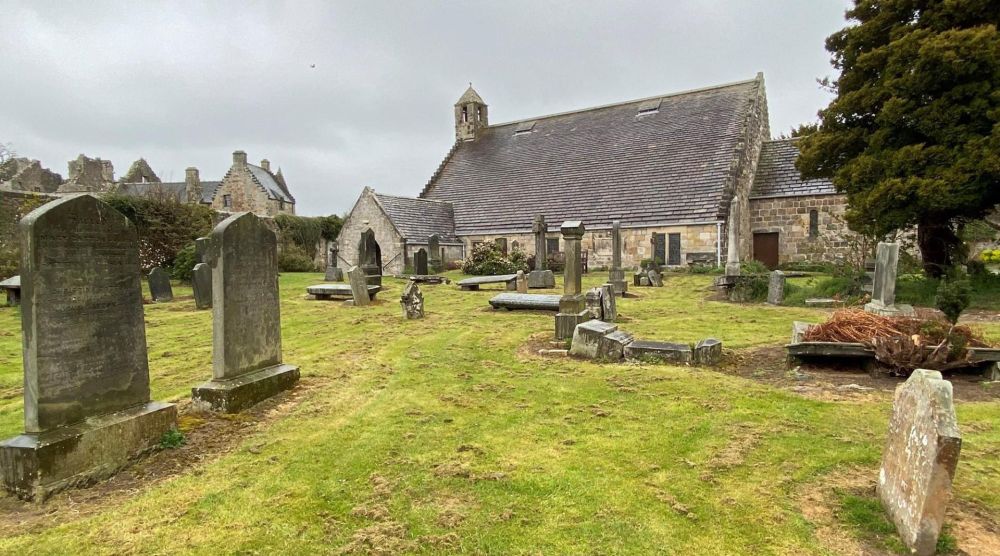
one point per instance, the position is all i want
(159, 285)
(246, 318)
(84, 349)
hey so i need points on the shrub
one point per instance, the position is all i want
(173, 438)
(294, 259)
(487, 259)
(164, 226)
(750, 288)
(183, 266)
(953, 297)
(705, 269)
(990, 256)
(10, 246)
(754, 267)
(305, 232)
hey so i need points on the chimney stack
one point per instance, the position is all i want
(192, 185)
(239, 158)
(265, 164)
(191, 175)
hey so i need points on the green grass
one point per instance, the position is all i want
(447, 435)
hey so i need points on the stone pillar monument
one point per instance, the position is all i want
(87, 410)
(884, 284)
(434, 261)
(572, 305)
(616, 276)
(733, 239)
(540, 277)
(246, 317)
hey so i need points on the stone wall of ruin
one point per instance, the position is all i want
(367, 214)
(789, 216)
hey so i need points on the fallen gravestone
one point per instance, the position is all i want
(776, 288)
(359, 286)
(526, 301)
(472, 284)
(12, 286)
(412, 301)
(612, 346)
(521, 282)
(587, 337)
(572, 305)
(246, 318)
(428, 279)
(919, 459)
(201, 282)
(159, 285)
(87, 410)
(664, 352)
(655, 278)
(338, 292)
(708, 352)
(884, 284)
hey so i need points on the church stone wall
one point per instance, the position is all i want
(367, 214)
(789, 216)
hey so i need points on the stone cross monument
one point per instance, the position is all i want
(434, 261)
(87, 410)
(540, 277)
(884, 284)
(572, 305)
(616, 276)
(246, 317)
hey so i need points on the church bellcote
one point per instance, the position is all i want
(470, 115)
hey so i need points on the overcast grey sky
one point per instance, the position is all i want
(186, 83)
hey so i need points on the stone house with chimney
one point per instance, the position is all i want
(250, 188)
(678, 170)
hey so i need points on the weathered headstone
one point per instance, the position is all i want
(665, 352)
(200, 248)
(655, 279)
(616, 276)
(612, 346)
(201, 282)
(884, 284)
(412, 301)
(159, 285)
(246, 317)
(540, 277)
(434, 254)
(420, 263)
(638, 275)
(572, 305)
(776, 288)
(919, 459)
(644, 281)
(359, 286)
(609, 308)
(521, 282)
(733, 238)
(333, 274)
(592, 300)
(587, 337)
(708, 352)
(87, 410)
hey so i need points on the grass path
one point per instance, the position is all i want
(446, 435)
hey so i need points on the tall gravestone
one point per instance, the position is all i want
(201, 283)
(572, 305)
(616, 276)
(420, 263)
(919, 459)
(246, 317)
(200, 247)
(776, 288)
(87, 410)
(884, 284)
(159, 286)
(434, 254)
(359, 287)
(541, 277)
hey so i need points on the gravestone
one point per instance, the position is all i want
(420, 263)
(159, 285)
(609, 308)
(654, 277)
(708, 352)
(359, 286)
(333, 274)
(638, 275)
(522, 282)
(733, 238)
(200, 248)
(587, 337)
(616, 276)
(201, 282)
(612, 346)
(412, 301)
(572, 305)
(246, 317)
(87, 410)
(884, 284)
(776, 288)
(919, 459)
(653, 351)
(592, 300)
(541, 277)
(531, 301)
(434, 254)
(12, 286)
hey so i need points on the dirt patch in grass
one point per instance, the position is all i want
(207, 437)
(838, 383)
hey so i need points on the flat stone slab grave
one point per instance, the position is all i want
(527, 301)
(427, 279)
(338, 292)
(666, 352)
(472, 284)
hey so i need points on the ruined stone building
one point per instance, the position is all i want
(244, 188)
(678, 170)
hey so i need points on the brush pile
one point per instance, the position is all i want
(903, 343)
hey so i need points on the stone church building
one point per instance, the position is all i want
(678, 170)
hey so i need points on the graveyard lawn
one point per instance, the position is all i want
(449, 434)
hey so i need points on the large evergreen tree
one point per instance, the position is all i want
(913, 135)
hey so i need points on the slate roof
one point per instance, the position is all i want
(668, 166)
(777, 175)
(274, 188)
(418, 219)
(177, 190)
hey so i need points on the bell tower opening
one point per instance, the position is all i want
(470, 115)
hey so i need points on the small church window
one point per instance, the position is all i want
(813, 224)
(552, 245)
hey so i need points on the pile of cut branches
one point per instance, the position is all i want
(903, 343)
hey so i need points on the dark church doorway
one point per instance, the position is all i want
(765, 249)
(370, 257)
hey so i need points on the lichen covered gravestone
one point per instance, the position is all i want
(609, 308)
(587, 337)
(87, 410)
(776, 288)
(201, 283)
(359, 286)
(412, 301)
(246, 317)
(521, 282)
(919, 459)
(159, 285)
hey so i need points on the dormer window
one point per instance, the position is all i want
(649, 107)
(524, 128)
